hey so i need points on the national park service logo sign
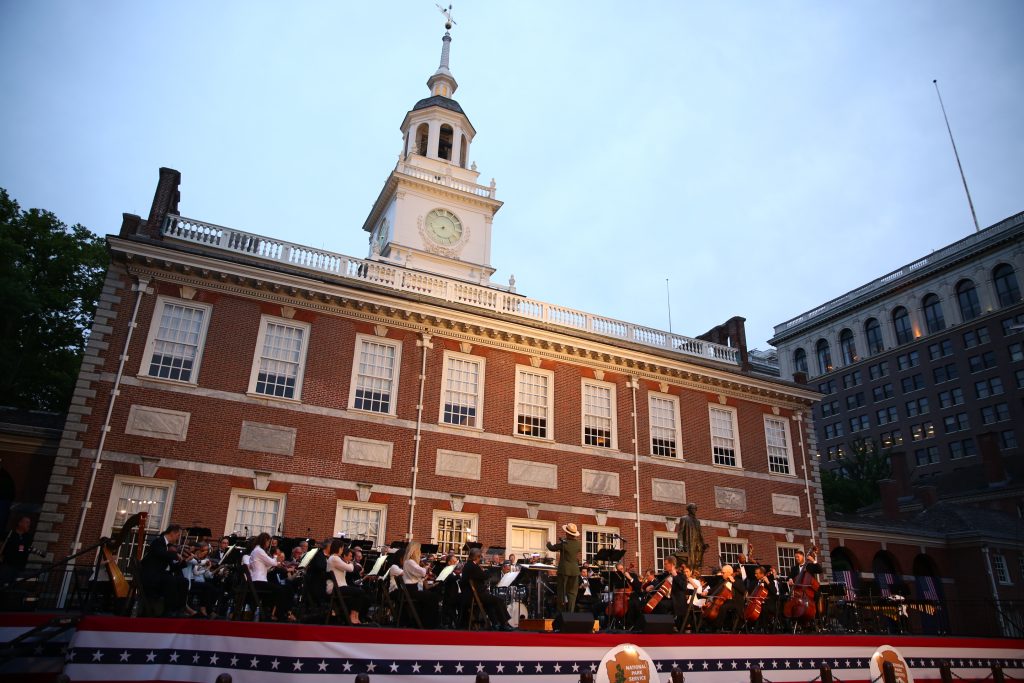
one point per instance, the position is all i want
(626, 663)
(887, 653)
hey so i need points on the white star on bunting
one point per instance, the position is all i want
(97, 656)
(125, 656)
(297, 665)
(253, 663)
(274, 664)
(234, 661)
(214, 658)
(416, 667)
(174, 658)
(394, 667)
(322, 665)
(437, 668)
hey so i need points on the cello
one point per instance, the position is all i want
(801, 605)
(619, 605)
(109, 547)
(716, 601)
(663, 590)
(752, 612)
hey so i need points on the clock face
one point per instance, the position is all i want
(382, 234)
(444, 227)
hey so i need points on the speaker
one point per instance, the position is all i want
(575, 622)
(658, 623)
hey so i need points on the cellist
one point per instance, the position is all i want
(806, 566)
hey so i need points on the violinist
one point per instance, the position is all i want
(200, 579)
(160, 572)
(474, 575)
(341, 565)
(427, 603)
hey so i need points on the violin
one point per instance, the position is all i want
(801, 605)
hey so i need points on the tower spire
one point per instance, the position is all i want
(443, 82)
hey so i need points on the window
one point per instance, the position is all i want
(887, 415)
(533, 402)
(800, 361)
(873, 332)
(664, 416)
(976, 337)
(1001, 570)
(130, 495)
(901, 324)
(1005, 280)
(664, 546)
(452, 530)
(982, 361)
(927, 456)
(852, 379)
(829, 408)
(893, 438)
(834, 430)
(361, 521)
(940, 349)
(280, 355)
(724, 441)
(967, 298)
(253, 512)
(1020, 379)
(961, 449)
(879, 370)
(1013, 325)
(776, 435)
(945, 373)
(905, 361)
(375, 375)
(988, 387)
(596, 538)
(828, 387)
(934, 321)
(995, 413)
(175, 344)
(953, 397)
(462, 392)
(882, 392)
(956, 423)
(848, 347)
(824, 357)
(920, 432)
(859, 422)
(917, 407)
(730, 550)
(833, 453)
(1007, 440)
(912, 383)
(786, 555)
(854, 401)
(598, 414)
(1016, 352)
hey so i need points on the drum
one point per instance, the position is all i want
(519, 593)
(607, 597)
(504, 594)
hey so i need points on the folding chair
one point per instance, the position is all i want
(408, 602)
(477, 613)
(336, 603)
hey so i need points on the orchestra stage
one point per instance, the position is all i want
(102, 648)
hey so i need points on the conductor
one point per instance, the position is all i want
(568, 578)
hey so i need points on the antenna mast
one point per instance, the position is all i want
(957, 155)
(668, 300)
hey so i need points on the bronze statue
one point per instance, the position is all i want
(691, 539)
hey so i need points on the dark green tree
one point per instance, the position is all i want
(854, 483)
(50, 280)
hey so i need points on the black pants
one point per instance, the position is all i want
(172, 587)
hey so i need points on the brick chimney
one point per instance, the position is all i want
(900, 472)
(927, 494)
(889, 488)
(991, 459)
(732, 333)
(165, 201)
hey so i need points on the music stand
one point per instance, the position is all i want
(470, 545)
(428, 548)
(363, 544)
(495, 550)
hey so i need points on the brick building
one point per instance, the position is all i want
(258, 385)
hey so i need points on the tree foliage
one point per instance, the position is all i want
(854, 483)
(51, 276)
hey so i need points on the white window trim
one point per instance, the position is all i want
(300, 373)
(252, 493)
(119, 479)
(729, 539)
(472, 517)
(154, 328)
(680, 456)
(1006, 569)
(654, 543)
(789, 446)
(597, 529)
(360, 338)
(380, 507)
(614, 445)
(510, 522)
(735, 431)
(782, 571)
(479, 420)
(550, 407)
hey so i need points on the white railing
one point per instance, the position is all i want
(436, 286)
(905, 271)
(447, 180)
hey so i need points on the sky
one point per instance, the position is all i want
(762, 157)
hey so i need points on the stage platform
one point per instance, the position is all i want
(102, 648)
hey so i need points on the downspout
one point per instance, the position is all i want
(140, 287)
(634, 385)
(995, 591)
(423, 343)
(799, 417)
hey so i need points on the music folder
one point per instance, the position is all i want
(445, 573)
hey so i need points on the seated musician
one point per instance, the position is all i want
(217, 554)
(474, 575)
(801, 561)
(275, 599)
(451, 591)
(341, 565)
(314, 584)
(160, 571)
(414, 574)
(200, 579)
(588, 594)
(770, 606)
(731, 609)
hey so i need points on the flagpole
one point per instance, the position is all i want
(957, 155)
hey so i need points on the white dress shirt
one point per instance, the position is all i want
(339, 568)
(259, 563)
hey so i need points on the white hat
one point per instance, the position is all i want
(570, 529)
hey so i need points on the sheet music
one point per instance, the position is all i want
(308, 557)
(377, 565)
(507, 579)
(445, 573)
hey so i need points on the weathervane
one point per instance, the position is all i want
(449, 22)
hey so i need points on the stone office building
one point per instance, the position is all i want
(269, 386)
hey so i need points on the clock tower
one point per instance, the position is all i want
(432, 215)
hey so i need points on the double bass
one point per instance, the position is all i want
(801, 605)
(619, 605)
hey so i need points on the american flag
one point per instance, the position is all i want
(849, 578)
(885, 581)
